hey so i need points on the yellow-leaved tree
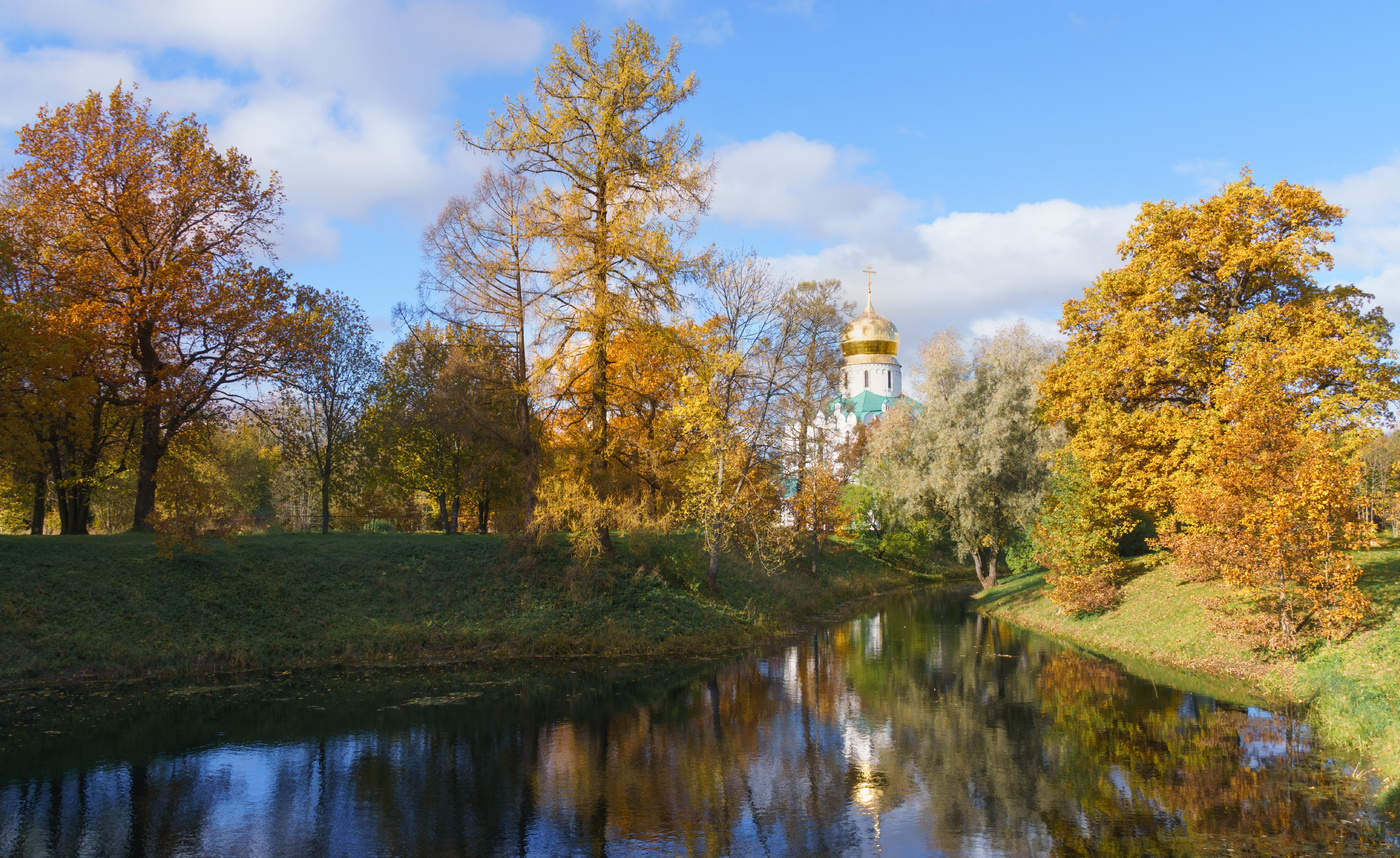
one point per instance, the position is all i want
(1273, 504)
(621, 187)
(1151, 341)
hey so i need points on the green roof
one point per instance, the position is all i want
(866, 406)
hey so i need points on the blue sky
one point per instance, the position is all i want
(985, 158)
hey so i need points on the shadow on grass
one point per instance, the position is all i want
(1018, 590)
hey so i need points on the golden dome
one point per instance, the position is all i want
(869, 333)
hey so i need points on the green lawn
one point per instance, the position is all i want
(1353, 687)
(111, 606)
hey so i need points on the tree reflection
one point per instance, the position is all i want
(915, 730)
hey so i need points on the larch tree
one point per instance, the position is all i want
(325, 386)
(484, 271)
(974, 450)
(157, 228)
(620, 193)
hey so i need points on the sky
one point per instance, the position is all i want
(985, 158)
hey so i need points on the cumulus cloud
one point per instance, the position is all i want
(972, 271)
(809, 186)
(340, 98)
(1368, 241)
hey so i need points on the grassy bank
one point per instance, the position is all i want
(111, 606)
(1352, 687)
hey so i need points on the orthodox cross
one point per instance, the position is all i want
(869, 273)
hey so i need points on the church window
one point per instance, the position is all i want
(867, 379)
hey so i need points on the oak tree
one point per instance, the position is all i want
(156, 227)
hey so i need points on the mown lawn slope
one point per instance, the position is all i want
(113, 606)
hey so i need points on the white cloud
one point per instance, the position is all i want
(1368, 241)
(977, 268)
(786, 180)
(339, 97)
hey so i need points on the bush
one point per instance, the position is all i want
(380, 525)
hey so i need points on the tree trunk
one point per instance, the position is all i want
(712, 575)
(442, 512)
(483, 512)
(984, 561)
(151, 452)
(455, 516)
(326, 495)
(41, 504)
(816, 543)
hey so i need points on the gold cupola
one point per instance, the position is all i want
(869, 334)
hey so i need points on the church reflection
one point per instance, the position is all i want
(917, 730)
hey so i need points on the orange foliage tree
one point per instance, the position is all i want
(1273, 508)
(1150, 342)
(153, 228)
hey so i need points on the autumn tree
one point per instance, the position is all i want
(973, 451)
(64, 418)
(1149, 339)
(155, 227)
(431, 418)
(484, 271)
(620, 192)
(326, 380)
(730, 405)
(815, 315)
(1272, 501)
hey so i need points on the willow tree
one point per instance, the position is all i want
(974, 451)
(621, 191)
(156, 228)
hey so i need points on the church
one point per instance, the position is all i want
(871, 377)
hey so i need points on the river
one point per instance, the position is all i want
(918, 728)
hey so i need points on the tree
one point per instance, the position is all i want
(620, 194)
(483, 271)
(815, 315)
(1273, 505)
(155, 227)
(431, 417)
(974, 450)
(63, 421)
(1149, 340)
(326, 381)
(729, 404)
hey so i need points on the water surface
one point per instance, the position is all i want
(917, 729)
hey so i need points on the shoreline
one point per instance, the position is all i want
(1343, 689)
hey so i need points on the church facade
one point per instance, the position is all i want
(871, 376)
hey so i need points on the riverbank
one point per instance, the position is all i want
(1352, 688)
(111, 607)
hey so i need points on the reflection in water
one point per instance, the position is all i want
(916, 730)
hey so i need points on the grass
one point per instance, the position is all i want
(106, 607)
(1352, 688)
